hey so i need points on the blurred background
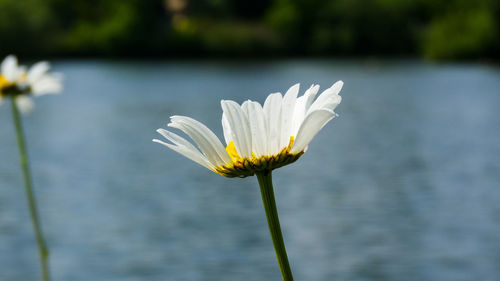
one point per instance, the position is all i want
(434, 29)
(403, 186)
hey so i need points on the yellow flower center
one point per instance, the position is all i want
(244, 167)
(12, 88)
(3, 82)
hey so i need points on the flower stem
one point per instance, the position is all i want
(23, 159)
(266, 189)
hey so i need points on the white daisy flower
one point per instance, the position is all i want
(18, 83)
(258, 138)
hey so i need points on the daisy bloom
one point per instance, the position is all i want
(258, 138)
(18, 83)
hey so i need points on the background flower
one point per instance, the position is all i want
(18, 83)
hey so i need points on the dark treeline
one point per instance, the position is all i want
(434, 29)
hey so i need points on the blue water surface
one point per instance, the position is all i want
(403, 186)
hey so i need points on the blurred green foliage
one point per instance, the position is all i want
(435, 29)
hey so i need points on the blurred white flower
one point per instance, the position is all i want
(258, 138)
(17, 83)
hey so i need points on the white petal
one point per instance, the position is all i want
(37, 71)
(301, 107)
(312, 124)
(9, 68)
(258, 128)
(24, 104)
(179, 141)
(47, 84)
(206, 140)
(329, 99)
(176, 139)
(272, 109)
(228, 135)
(240, 127)
(194, 155)
(299, 113)
(287, 110)
(244, 107)
(309, 95)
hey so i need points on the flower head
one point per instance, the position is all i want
(258, 138)
(18, 83)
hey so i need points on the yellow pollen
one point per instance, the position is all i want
(243, 167)
(290, 144)
(8, 88)
(3, 82)
(231, 150)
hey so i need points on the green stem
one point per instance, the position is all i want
(23, 159)
(267, 192)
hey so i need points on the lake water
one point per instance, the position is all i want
(403, 186)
